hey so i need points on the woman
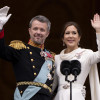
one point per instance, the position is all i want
(71, 37)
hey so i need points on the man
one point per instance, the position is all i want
(33, 64)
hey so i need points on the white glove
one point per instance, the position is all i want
(3, 16)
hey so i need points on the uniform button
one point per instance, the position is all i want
(51, 85)
(34, 73)
(33, 66)
(53, 72)
(32, 60)
(30, 53)
(28, 48)
(21, 91)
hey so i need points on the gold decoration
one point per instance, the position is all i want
(21, 92)
(35, 74)
(28, 47)
(17, 44)
(30, 53)
(34, 83)
(41, 46)
(32, 60)
(33, 66)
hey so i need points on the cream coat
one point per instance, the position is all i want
(88, 60)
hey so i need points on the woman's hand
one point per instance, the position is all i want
(96, 23)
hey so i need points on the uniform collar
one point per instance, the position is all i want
(36, 45)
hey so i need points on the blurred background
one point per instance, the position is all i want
(58, 12)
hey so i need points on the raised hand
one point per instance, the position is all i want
(96, 23)
(3, 16)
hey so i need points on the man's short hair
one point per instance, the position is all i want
(42, 19)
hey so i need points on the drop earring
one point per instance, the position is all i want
(78, 43)
(63, 43)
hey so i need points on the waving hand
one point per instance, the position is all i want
(96, 23)
(3, 16)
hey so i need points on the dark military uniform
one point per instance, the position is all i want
(28, 62)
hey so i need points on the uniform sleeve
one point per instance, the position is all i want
(6, 52)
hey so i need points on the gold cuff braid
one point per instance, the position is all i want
(35, 83)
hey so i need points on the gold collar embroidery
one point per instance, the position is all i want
(36, 45)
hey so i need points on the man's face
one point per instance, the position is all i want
(38, 32)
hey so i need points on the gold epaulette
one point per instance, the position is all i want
(17, 44)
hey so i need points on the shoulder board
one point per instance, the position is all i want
(17, 44)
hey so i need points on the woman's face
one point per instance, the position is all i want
(71, 37)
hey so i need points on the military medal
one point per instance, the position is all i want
(49, 76)
(49, 67)
(42, 53)
(46, 54)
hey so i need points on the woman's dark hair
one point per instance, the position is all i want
(70, 24)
